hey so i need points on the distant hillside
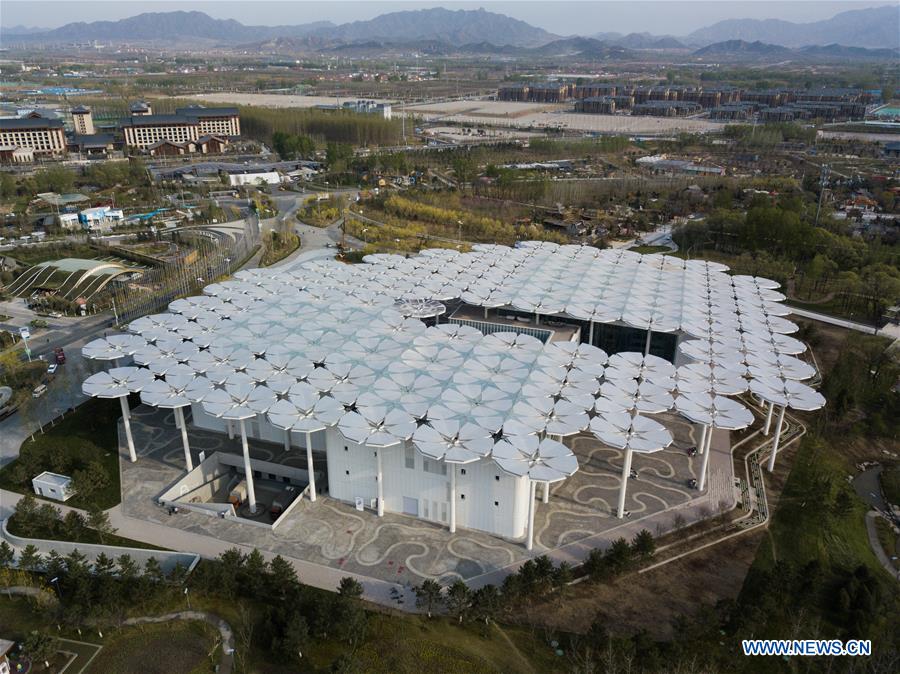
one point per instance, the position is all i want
(877, 27)
(640, 40)
(168, 26)
(458, 27)
(579, 48)
(738, 47)
(451, 27)
(739, 50)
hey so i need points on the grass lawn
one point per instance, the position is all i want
(177, 646)
(890, 482)
(800, 533)
(414, 643)
(90, 433)
(18, 617)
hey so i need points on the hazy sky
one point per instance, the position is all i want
(563, 17)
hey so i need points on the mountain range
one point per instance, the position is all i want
(741, 50)
(871, 28)
(875, 27)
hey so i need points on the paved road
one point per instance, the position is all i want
(889, 330)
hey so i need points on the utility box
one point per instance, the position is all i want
(53, 485)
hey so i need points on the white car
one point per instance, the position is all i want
(39, 391)
(51, 369)
(55, 314)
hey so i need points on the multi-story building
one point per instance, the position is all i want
(83, 121)
(41, 135)
(142, 131)
(221, 121)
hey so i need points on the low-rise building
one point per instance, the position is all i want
(100, 218)
(261, 178)
(53, 485)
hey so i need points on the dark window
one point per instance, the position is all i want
(462, 497)
(497, 477)
(462, 471)
(346, 472)
(496, 503)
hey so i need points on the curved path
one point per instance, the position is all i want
(875, 544)
(226, 662)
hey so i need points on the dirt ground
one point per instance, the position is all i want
(652, 600)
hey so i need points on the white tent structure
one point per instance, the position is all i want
(172, 393)
(712, 411)
(118, 383)
(631, 434)
(785, 393)
(239, 401)
(343, 351)
(303, 410)
(545, 461)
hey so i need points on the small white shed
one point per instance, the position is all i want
(53, 485)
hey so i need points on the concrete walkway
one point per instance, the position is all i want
(875, 544)
(890, 330)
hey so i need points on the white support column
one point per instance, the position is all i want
(230, 425)
(380, 484)
(309, 467)
(706, 452)
(776, 439)
(179, 418)
(647, 343)
(453, 498)
(248, 470)
(626, 474)
(126, 418)
(485, 313)
(177, 421)
(287, 439)
(546, 492)
(769, 418)
(591, 333)
(702, 446)
(529, 538)
(537, 319)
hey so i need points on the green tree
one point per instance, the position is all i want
(350, 588)
(6, 555)
(30, 558)
(459, 599)
(486, 602)
(39, 646)
(98, 520)
(643, 544)
(428, 596)
(7, 186)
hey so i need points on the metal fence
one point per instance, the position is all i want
(219, 255)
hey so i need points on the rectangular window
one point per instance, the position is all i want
(410, 456)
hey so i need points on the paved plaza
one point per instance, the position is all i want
(404, 550)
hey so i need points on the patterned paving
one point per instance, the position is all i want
(404, 549)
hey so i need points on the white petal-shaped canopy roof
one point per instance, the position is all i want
(112, 347)
(311, 340)
(637, 433)
(117, 382)
(714, 410)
